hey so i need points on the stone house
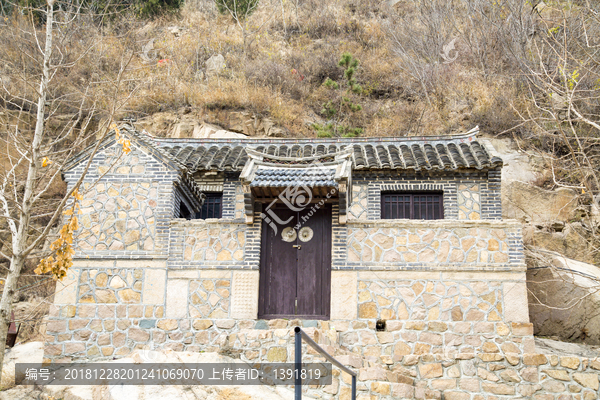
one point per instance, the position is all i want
(232, 233)
(380, 244)
(390, 252)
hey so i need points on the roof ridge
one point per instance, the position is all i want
(470, 135)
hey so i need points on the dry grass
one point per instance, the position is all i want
(280, 73)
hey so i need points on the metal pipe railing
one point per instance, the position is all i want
(301, 335)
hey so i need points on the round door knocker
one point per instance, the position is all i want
(305, 234)
(288, 234)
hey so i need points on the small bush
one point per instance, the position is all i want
(151, 8)
(238, 9)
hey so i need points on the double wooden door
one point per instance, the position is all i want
(295, 270)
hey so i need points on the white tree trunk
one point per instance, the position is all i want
(19, 238)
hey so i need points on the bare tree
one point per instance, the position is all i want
(419, 33)
(547, 56)
(562, 67)
(240, 11)
(58, 80)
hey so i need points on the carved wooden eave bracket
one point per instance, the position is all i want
(267, 178)
(190, 193)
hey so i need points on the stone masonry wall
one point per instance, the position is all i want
(111, 285)
(404, 243)
(469, 201)
(127, 206)
(139, 301)
(98, 307)
(214, 243)
(501, 365)
(429, 300)
(118, 216)
(491, 376)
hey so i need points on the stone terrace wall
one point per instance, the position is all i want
(214, 243)
(493, 376)
(389, 244)
(103, 308)
(420, 300)
(501, 362)
(116, 310)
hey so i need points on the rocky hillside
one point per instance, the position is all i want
(560, 235)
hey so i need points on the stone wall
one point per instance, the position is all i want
(122, 298)
(403, 243)
(469, 201)
(429, 300)
(102, 308)
(449, 296)
(500, 362)
(214, 243)
(128, 202)
(118, 216)
(493, 375)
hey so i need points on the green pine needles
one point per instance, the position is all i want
(340, 110)
(238, 9)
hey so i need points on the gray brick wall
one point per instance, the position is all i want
(230, 184)
(339, 236)
(447, 182)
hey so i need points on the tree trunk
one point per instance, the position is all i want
(19, 238)
(7, 301)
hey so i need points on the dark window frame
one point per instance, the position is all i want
(212, 207)
(412, 205)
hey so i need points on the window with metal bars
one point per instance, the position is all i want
(213, 206)
(406, 205)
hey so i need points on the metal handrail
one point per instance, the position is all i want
(300, 334)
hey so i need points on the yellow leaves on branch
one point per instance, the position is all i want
(59, 263)
(121, 140)
(62, 258)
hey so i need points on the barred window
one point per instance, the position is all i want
(407, 205)
(213, 206)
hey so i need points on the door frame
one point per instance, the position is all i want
(325, 270)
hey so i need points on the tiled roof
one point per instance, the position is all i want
(416, 153)
(285, 177)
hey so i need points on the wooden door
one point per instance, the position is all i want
(295, 275)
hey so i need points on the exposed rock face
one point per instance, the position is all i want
(522, 199)
(564, 298)
(555, 347)
(253, 125)
(572, 240)
(185, 124)
(553, 219)
(530, 203)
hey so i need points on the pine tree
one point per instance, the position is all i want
(340, 111)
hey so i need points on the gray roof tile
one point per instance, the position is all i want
(284, 177)
(417, 153)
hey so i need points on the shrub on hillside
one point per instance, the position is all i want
(101, 8)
